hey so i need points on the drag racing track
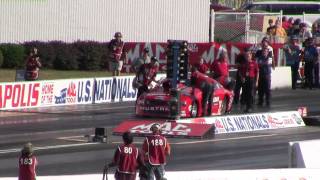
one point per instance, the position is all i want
(61, 148)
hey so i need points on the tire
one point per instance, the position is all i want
(224, 106)
(194, 110)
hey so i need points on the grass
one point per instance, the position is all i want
(8, 75)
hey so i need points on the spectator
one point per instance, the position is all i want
(144, 59)
(316, 33)
(311, 61)
(292, 53)
(271, 26)
(286, 24)
(241, 63)
(156, 147)
(32, 65)
(249, 77)
(304, 33)
(202, 66)
(127, 158)
(146, 75)
(116, 54)
(295, 29)
(264, 82)
(27, 163)
(205, 84)
(278, 32)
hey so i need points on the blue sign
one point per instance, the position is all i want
(62, 98)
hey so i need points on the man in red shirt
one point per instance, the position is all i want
(205, 84)
(127, 158)
(202, 66)
(156, 148)
(27, 163)
(220, 71)
(116, 54)
(146, 74)
(249, 74)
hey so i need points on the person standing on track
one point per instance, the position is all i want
(206, 85)
(311, 60)
(156, 147)
(146, 74)
(249, 77)
(116, 54)
(27, 163)
(265, 68)
(127, 158)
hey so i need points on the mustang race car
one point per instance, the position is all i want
(183, 101)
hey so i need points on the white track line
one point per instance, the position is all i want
(226, 139)
(6, 151)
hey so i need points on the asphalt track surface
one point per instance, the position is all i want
(58, 134)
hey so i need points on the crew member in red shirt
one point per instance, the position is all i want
(146, 74)
(205, 84)
(202, 66)
(156, 147)
(220, 71)
(27, 163)
(127, 158)
(249, 75)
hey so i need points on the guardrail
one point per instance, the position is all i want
(19, 95)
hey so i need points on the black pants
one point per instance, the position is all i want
(294, 75)
(237, 88)
(249, 92)
(141, 90)
(264, 89)
(308, 71)
(316, 75)
(207, 91)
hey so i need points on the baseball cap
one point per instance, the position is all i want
(153, 58)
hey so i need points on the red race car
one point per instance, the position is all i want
(185, 101)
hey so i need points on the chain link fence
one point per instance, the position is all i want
(241, 26)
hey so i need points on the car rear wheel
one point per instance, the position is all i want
(194, 109)
(224, 106)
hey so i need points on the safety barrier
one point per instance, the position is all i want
(250, 122)
(304, 154)
(262, 174)
(19, 95)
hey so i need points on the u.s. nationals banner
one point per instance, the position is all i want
(250, 122)
(171, 129)
(208, 51)
(19, 95)
(66, 92)
(114, 89)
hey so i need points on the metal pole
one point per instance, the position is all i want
(212, 25)
(247, 28)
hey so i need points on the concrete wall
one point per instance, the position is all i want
(71, 20)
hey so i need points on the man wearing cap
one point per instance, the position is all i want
(156, 148)
(311, 59)
(127, 158)
(143, 59)
(116, 54)
(146, 74)
(292, 53)
(27, 163)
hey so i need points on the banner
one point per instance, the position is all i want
(114, 89)
(66, 92)
(208, 51)
(19, 95)
(250, 122)
(172, 129)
